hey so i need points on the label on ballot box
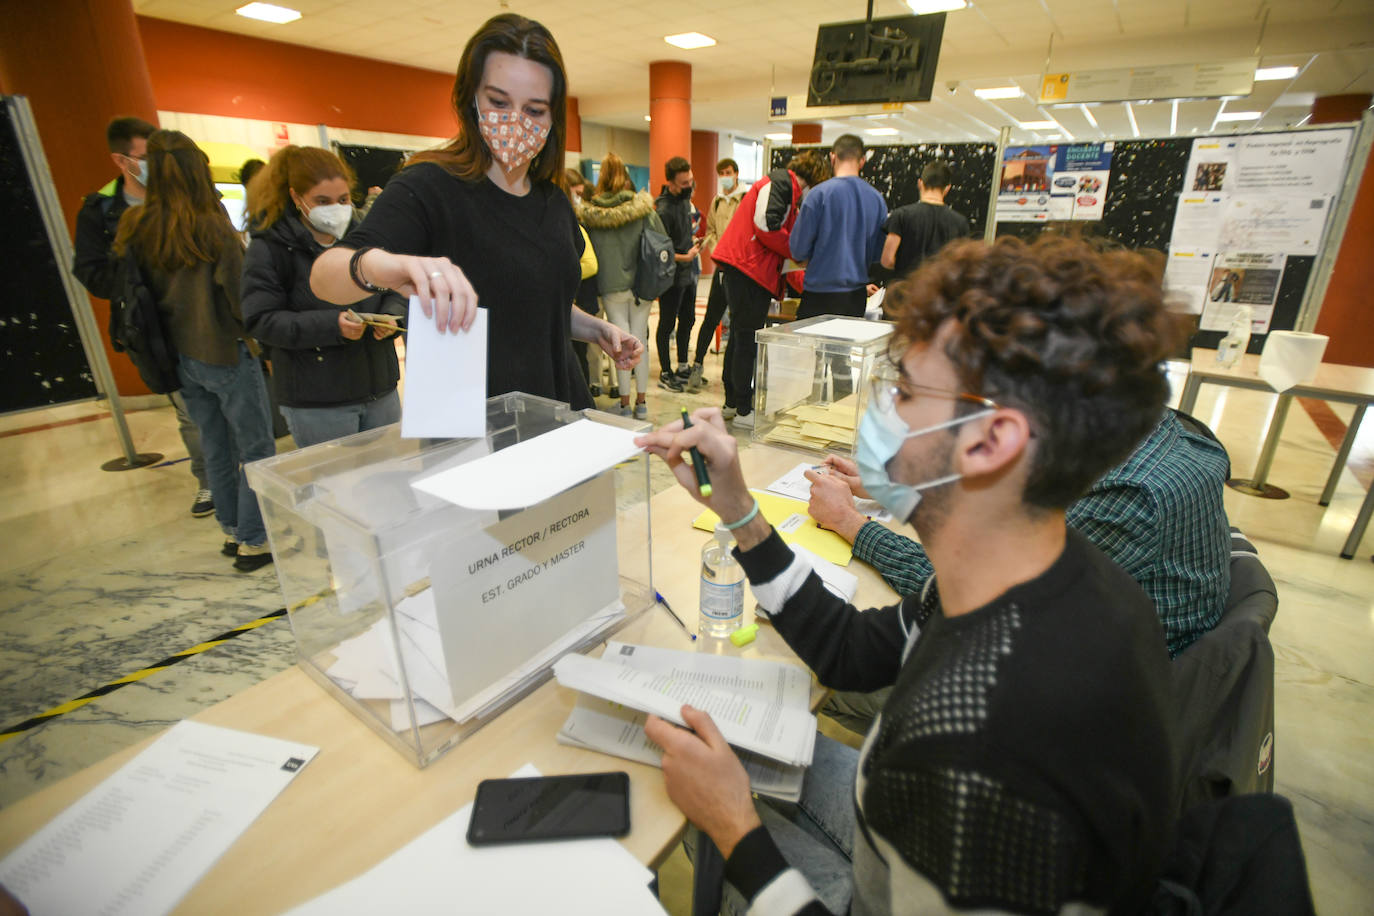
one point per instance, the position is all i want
(520, 584)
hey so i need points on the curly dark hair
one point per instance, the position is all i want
(1072, 336)
(810, 166)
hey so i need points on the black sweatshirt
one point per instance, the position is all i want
(520, 254)
(1024, 759)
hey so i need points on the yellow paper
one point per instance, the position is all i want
(828, 433)
(790, 517)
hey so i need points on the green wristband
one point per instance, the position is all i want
(731, 526)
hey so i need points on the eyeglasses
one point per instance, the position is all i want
(888, 381)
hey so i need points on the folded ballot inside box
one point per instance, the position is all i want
(812, 380)
(426, 617)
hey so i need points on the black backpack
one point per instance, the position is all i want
(657, 268)
(137, 328)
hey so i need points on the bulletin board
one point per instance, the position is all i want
(1187, 197)
(893, 170)
(44, 362)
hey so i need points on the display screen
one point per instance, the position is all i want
(550, 807)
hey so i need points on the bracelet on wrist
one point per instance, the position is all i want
(731, 526)
(355, 272)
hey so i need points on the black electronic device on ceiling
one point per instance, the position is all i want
(876, 60)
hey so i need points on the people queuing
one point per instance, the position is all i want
(615, 218)
(677, 306)
(93, 261)
(334, 370)
(750, 256)
(192, 260)
(729, 193)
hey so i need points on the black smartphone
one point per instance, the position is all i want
(550, 808)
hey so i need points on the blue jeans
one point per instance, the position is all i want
(313, 425)
(815, 835)
(229, 407)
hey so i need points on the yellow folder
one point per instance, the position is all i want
(790, 517)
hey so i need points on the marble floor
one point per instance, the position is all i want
(103, 573)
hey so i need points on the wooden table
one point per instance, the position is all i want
(359, 801)
(1333, 382)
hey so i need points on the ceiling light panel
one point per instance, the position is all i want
(269, 12)
(689, 41)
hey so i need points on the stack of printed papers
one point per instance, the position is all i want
(761, 707)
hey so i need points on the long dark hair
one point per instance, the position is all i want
(181, 222)
(466, 155)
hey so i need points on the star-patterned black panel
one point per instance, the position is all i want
(43, 359)
(893, 170)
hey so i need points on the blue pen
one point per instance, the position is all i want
(669, 608)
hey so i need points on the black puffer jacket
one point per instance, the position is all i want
(313, 365)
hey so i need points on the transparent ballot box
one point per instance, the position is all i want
(428, 619)
(811, 386)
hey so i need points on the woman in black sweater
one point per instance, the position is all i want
(482, 223)
(333, 374)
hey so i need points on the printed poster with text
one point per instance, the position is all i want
(1242, 279)
(1054, 182)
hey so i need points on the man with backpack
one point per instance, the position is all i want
(95, 266)
(677, 305)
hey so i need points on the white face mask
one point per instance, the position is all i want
(577, 200)
(331, 218)
(727, 184)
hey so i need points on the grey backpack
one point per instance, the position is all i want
(656, 269)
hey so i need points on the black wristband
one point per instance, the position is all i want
(356, 275)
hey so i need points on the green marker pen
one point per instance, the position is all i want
(698, 462)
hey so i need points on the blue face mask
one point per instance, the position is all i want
(881, 436)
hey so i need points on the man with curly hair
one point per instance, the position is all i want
(1024, 759)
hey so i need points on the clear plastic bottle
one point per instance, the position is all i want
(1237, 337)
(722, 586)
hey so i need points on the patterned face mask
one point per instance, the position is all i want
(513, 138)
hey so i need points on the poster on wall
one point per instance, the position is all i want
(1186, 277)
(1263, 223)
(1306, 163)
(1024, 193)
(1212, 165)
(1079, 185)
(1242, 278)
(1059, 182)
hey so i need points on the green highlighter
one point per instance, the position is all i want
(698, 462)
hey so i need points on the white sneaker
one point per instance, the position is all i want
(743, 421)
(728, 413)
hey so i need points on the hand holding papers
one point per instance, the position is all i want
(446, 380)
(759, 706)
(611, 728)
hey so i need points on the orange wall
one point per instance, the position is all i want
(207, 72)
(1345, 313)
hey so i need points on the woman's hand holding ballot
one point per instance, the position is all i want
(445, 293)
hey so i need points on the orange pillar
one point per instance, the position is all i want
(806, 133)
(705, 152)
(574, 126)
(1344, 313)
(670, 113)
(80, 62)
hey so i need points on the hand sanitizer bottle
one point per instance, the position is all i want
(1237, 338)
(722, 586)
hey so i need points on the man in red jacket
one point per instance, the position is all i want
(750, 255)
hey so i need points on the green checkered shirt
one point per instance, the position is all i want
(1159, 515)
